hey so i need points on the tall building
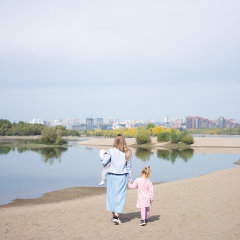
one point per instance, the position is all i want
(221, 122)
(89, 123)
(166, 119)
(112, 120)
(194, 122)
(178, 123)
(189, 122)
(99, 123)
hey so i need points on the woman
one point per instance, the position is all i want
(117, 177)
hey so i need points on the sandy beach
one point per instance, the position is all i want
(204, 207)
(201, 144)
(206, 142)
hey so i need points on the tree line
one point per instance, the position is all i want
(143, 134)
(216, 131)
(53, 135)
(28, 129)
(49, 135)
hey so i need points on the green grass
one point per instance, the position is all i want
(177, 145)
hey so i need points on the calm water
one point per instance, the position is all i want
(31, 173)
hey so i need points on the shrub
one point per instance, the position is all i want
(188, 139)
(163, 137)
(52, 136)
(174, 134)
(143, 136)
(156, 130)
(182, 135)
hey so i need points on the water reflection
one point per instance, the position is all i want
(174, 154)
(144, 154)
(4, 150)
(48, 154)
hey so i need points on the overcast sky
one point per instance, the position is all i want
(130, 59)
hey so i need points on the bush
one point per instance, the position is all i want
(174, 135)
(163, 137)
(188, 139)
(52, 136)
(73, 132)
(182, 135)
(143, 136)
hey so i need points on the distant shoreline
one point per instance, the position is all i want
(199, 142)
(97, 142)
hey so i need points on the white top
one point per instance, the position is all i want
(119, 165)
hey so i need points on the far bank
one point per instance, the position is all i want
(199, 142)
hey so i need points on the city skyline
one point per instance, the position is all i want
(127, 59)
(190, 122)
(114, 119)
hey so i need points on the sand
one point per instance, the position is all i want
(199, 142)
(204, 207)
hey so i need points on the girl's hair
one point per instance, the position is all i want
(120, 144)
(146, 172)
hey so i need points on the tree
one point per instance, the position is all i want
(150, 126)
(5, 127)
(52, 136)
(6, 123)
(143, 136)
(130, 132)
(163, 136)
(174, 135)
(156, 130)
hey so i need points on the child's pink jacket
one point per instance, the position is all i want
(145, 191)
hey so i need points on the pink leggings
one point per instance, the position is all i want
(145, 213)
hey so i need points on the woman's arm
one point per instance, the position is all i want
(129, 169)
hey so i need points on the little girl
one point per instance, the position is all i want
(145, 194)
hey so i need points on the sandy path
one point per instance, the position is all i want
(205, 207)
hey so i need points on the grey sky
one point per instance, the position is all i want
(125, 59)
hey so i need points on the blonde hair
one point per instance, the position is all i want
(120, 144)
(146, 172)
